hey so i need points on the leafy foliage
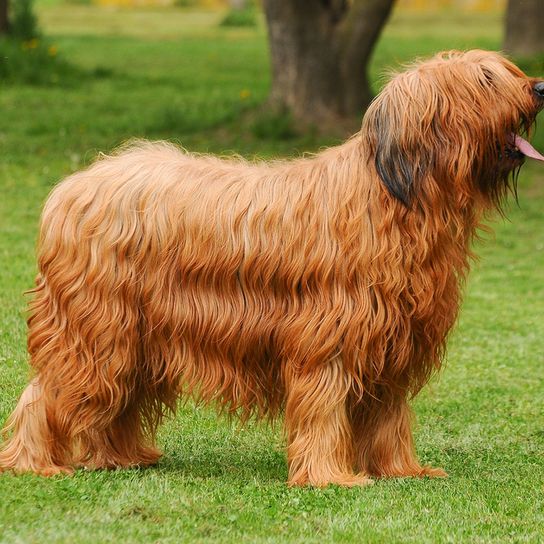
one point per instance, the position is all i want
(34, 62)
(23, 23)
(240, 17)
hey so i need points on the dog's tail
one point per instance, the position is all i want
(28, 446)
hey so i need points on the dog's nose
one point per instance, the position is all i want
(539, 89)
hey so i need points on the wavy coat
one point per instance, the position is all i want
(322, 287)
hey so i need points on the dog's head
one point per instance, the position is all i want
(453, 124)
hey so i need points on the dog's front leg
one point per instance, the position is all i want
(320, 446)
(383, 437)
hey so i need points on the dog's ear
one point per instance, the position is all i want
(400, 167)
(397, 143)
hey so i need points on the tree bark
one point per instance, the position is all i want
(524, 35)
(4, 20)
(319, 54)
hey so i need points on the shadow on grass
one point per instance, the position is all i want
(231, 462)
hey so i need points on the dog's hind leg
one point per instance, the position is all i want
(84, 407)
(383, 438)
(113, 419)
(320, 450)
(121, 443)
(31, 446)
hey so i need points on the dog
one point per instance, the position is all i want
(321, 288)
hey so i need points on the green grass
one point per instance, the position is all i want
(177, 74)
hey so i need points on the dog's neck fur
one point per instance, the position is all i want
(374, 229)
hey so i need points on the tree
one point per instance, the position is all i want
(524, 36)
(4, 21)
(319, 55)
(19, 22)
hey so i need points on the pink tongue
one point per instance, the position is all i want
(527, 149)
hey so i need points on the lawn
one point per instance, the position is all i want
(176, 74)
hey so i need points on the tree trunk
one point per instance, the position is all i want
(319, 55)
(4, 21)
(524, 28)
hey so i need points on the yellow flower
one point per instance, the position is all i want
(30, 44)
(244, 93)
(52, 50)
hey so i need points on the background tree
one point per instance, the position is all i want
(4, 21)
(24, 23)
(319, 55)
(524, 36)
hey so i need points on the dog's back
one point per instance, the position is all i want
(213, 265)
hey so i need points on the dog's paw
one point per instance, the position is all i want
(411, 471)
(343, 480)
(432, 472)
(355, 480)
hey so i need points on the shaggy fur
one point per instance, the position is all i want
(322, 287)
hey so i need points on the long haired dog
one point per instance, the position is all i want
(322, 287)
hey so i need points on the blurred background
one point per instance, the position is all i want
(78, 76)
